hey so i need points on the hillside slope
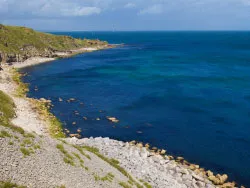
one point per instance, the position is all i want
(20, 43)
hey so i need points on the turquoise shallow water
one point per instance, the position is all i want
(187, 92)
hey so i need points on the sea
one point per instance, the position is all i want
(186, 92)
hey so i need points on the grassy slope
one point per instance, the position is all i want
(13, 39)
(7, 111)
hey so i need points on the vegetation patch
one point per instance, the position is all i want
(29, 135)
(25, 41)
(4, 134)
(147, 185)
(124, 185)
(80, 149)
(8, 184)
(22, 88)
(37, 146)
(27, 142)
(25, 151)
(7, 111)
(112, 162)
(69, 159)
(109, 177)
(55, 126)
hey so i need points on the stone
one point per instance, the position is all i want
(209, 173)
(229, 185)
(85, 118)
(112, 119)
(222, 178)
(179, 158)
(140, 145)
(200, 184)
(170, 157)
(215, 180)
(187, 177)
(197, 177)
(132, 142)
(144, 153)
(75, 135)
(154, 148)
(163, 152)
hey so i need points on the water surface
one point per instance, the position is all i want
(187, 92)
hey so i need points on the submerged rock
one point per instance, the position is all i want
(112, 119)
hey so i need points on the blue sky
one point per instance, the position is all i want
(127, 14)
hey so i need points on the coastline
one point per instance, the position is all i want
(133, 156)
(40, 60)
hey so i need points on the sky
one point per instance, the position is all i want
(126, 15)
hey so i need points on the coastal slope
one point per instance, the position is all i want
(20, 43)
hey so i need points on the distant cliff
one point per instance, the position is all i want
(21, 43)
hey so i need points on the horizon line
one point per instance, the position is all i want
(144, 31)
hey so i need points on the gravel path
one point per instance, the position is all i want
(26, 117)
(45, 167)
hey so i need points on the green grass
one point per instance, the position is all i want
(80, 149)
(37, 146)
(124, 185)
(4, 134)
(109, 177)
(29, 135)
(11, 143)
(147, 185)
(7, 112)
(61, 186)
(8, 184)
(27, 142)
(22, 40)
(22, 88)
(7, 109)
(55, 126)
(77, 156)
(25, 151)
(113, 163)
(69, 159)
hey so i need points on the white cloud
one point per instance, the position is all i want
(81, 11)
(44, 9)
(130, 5)
(48, 8)
(155, 9)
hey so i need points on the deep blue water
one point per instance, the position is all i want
(187, 92)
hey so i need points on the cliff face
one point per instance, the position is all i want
(21, 43)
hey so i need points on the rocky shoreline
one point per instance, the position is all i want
(146, 164)
(155, 167)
